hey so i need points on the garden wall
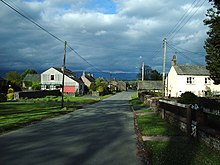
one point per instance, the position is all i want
(36, 94)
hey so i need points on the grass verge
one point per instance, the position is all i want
(152, 125)
(179, 152)
(14, 115)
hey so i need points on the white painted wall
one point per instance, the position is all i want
(58, 77)
(177, 84)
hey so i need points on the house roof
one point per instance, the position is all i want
(69, 73)
(191, 70)
(150, 85)
(32, 77)
(90, 78)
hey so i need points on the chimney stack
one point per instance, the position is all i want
(174, 61)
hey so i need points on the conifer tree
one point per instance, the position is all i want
(212, 43)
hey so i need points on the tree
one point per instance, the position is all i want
(212, 43)
(92, 87)
(216, 3)
(101, 85)
(14, 77)
(36, 86)
(149, 74)
(155, 75)
(28, 71)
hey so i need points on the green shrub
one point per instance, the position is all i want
(36, 86)
(100, 89)
(187, 98)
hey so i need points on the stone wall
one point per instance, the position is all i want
(185, 121)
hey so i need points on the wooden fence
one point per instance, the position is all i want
(201, 123)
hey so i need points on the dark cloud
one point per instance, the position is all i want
(110, 39)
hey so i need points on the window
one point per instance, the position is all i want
(190, 80)
(51, 77)
(207, 80)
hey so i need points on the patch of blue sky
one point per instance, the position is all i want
(102, 6)
(66, 6)
(34, 0)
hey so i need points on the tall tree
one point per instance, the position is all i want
(28, 71)
(212, 43)
(13, 77)
(149, 74)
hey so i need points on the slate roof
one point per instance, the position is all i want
(150, 85)
(90, 78)
(69, 74)
(32, 77)
(191, 70)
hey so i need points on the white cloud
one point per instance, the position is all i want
(112, 42)
(99, 33)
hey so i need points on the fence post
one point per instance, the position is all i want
(201, 117)
(189, 120)
(162, 113)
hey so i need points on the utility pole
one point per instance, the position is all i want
(63, 69)
(164, 64)
(143, 71)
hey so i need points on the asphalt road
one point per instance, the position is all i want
(100, 134)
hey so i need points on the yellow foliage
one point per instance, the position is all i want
(10, 90)
(10, 96)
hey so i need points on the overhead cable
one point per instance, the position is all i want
(45, 30)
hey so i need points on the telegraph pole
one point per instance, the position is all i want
(63, 69)
(143, 71)
(164, 64)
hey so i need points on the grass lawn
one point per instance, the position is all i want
(17, 114)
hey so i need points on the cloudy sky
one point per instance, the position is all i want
(106, 35)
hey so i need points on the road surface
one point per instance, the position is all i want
(100, 134)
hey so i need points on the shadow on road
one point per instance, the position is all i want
(102, 133)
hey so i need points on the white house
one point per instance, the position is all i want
(52, 78)
(189, 78)
(87, 79)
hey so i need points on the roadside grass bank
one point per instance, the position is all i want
(179, 151)
(14, 115)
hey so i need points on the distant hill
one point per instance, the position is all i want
(118, 76)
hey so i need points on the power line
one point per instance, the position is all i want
(32, 21)
(189, 51)
(45, 30)
(182, 54)
(83, 58)
(180, 21)
(174, 34)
